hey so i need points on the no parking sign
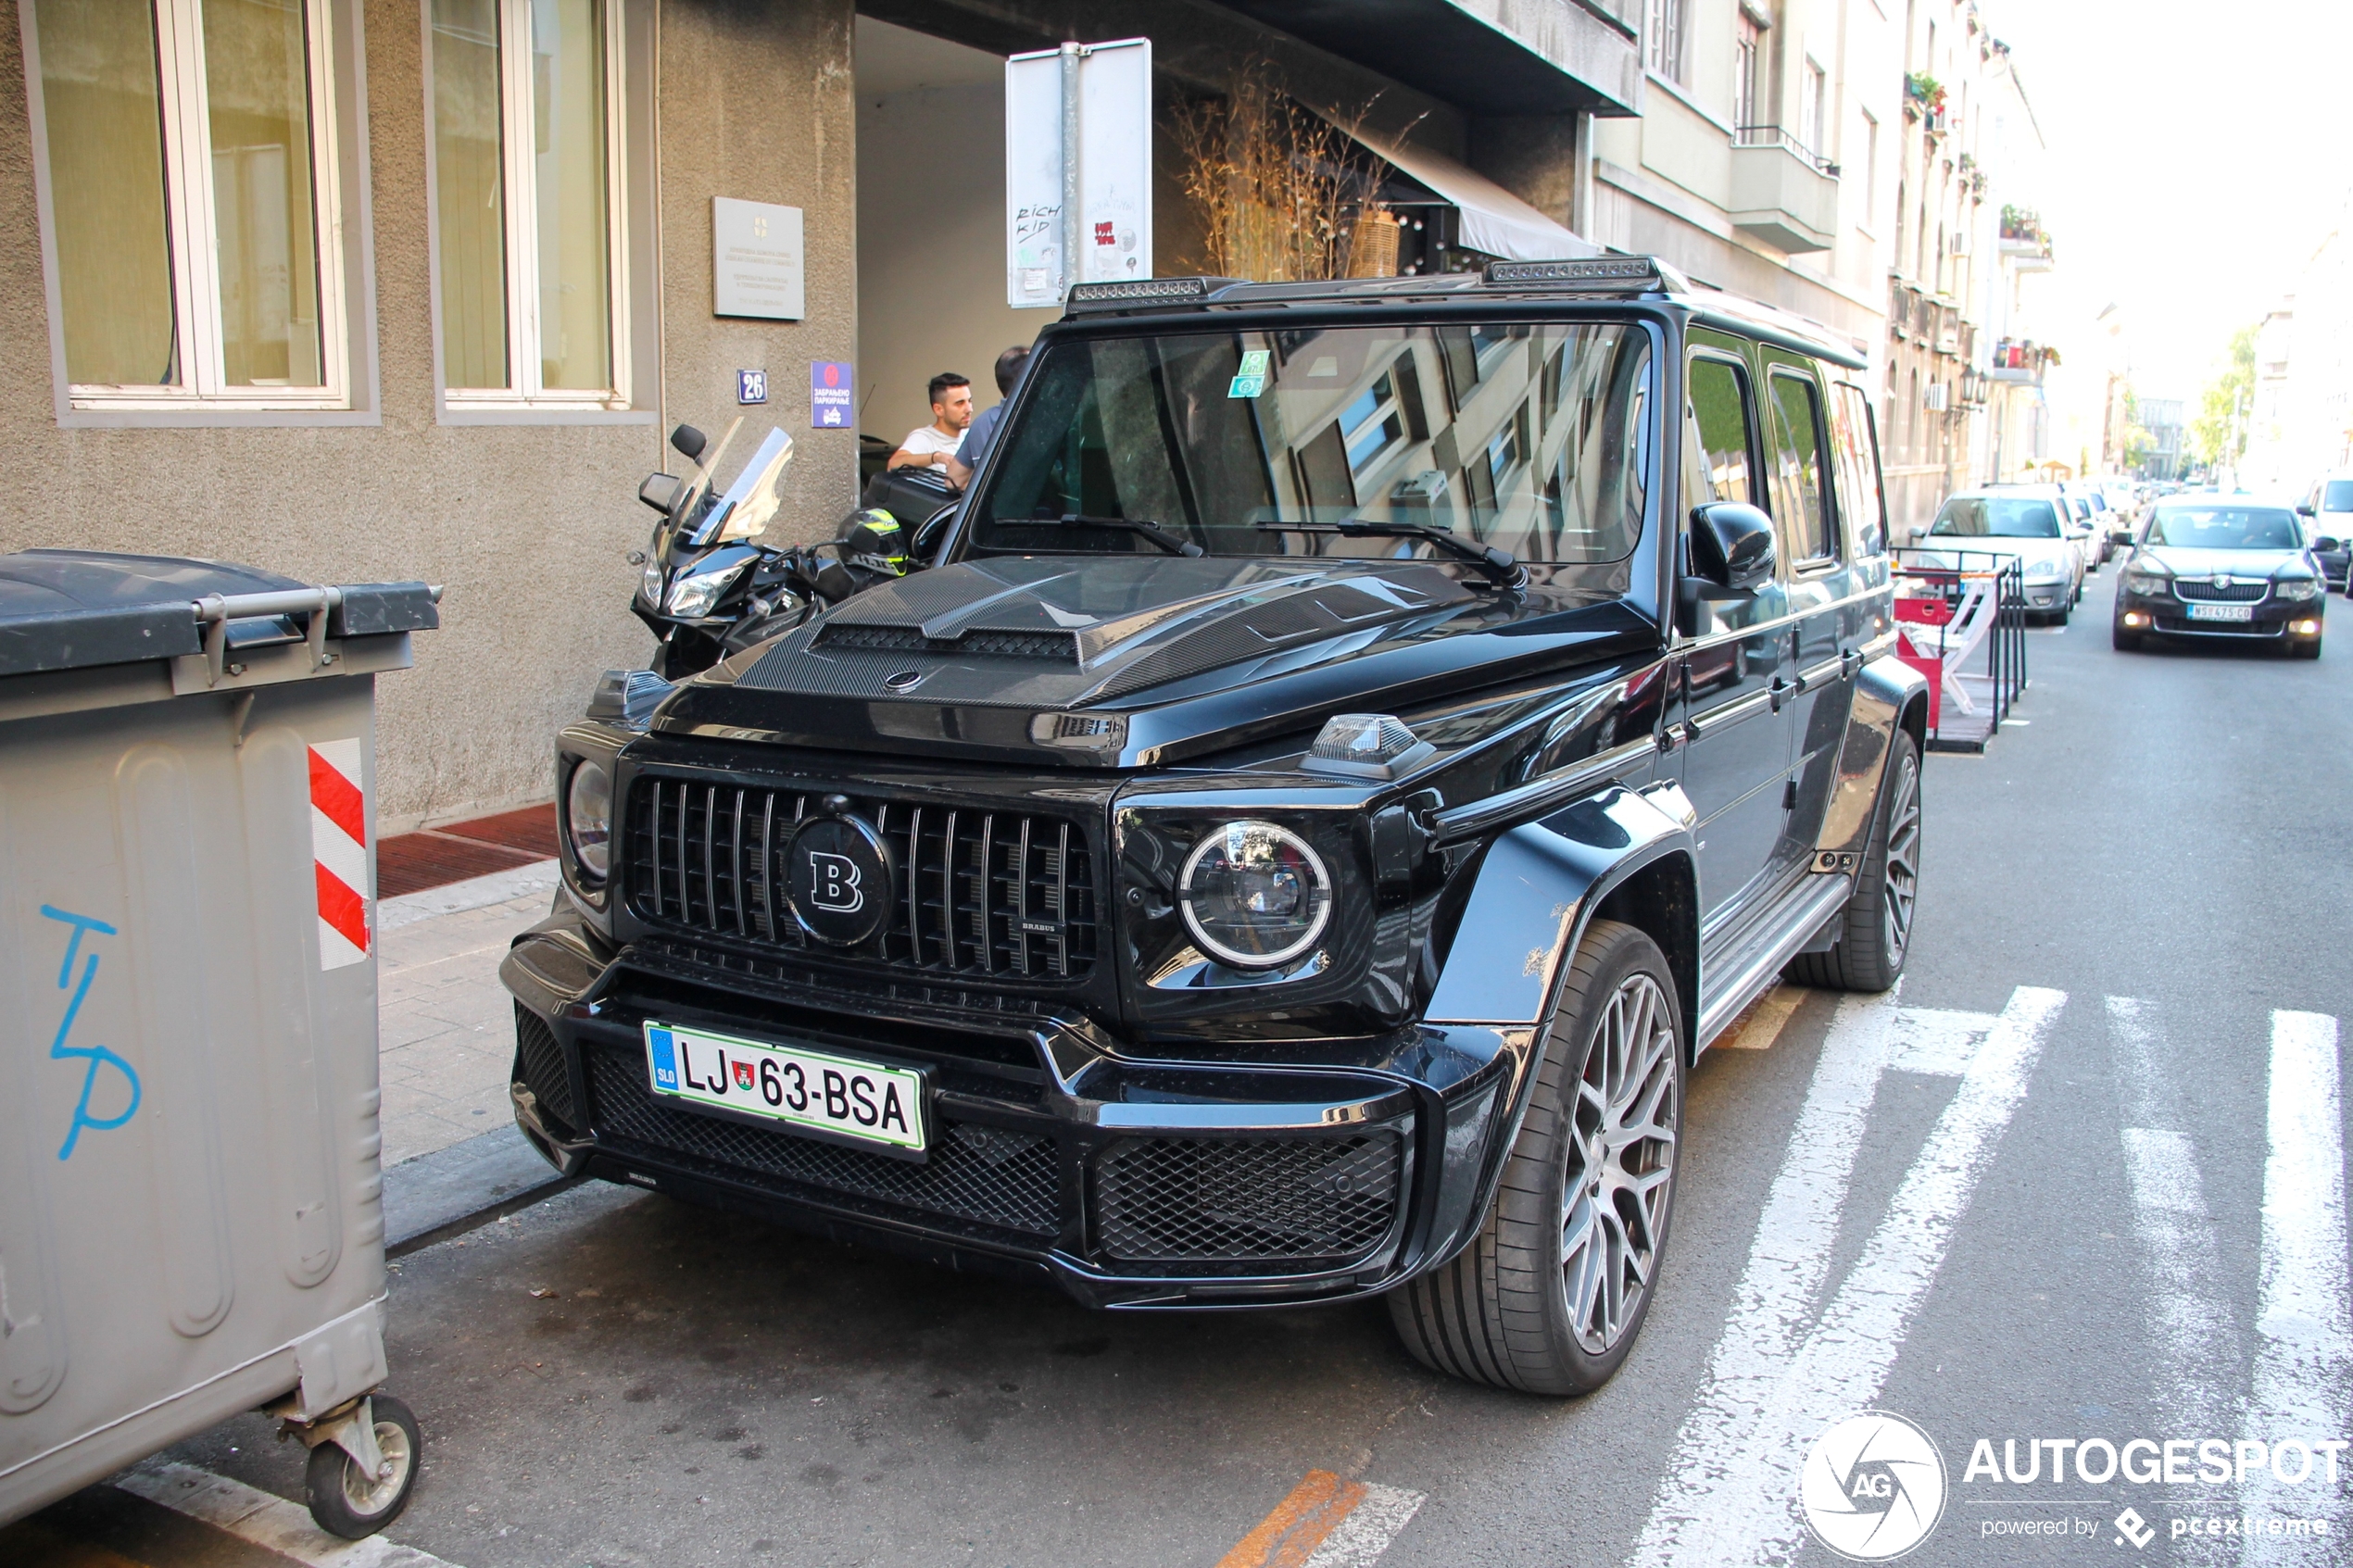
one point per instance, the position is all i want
(831, 400)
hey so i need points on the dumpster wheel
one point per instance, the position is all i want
(345, 1500)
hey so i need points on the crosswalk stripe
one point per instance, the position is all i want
(2304, 1343)
(256, 1516)
(2188, 1307)
(1730, 1495)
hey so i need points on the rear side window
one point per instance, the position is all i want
(1716, 443)
(1855, 459)
(2337, 495)
(1800, 504)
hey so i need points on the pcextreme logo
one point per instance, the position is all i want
(1872, 1487)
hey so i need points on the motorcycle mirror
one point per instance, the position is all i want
(659, 491)
(690, 442)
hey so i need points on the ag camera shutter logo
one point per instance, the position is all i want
(1872, 1487)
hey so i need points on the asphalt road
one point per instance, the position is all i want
(2073, 1184)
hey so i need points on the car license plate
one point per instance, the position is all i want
(2221, 612)
(859, 1101)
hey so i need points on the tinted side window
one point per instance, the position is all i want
(1799, 502)
(1715, 445)
(1855, 453)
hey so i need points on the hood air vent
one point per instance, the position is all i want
(1058, 648)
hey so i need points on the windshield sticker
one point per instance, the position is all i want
(1252, 379)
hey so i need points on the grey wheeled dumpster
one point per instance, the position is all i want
(191, 1211)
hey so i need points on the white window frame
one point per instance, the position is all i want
(1666, 42)
(183, 112)
(525, 392)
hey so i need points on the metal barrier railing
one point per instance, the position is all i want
(1966, 626)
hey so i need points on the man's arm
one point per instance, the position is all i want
(908, 457)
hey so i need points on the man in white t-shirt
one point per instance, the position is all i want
(951, 409)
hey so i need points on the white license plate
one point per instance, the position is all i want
(859, 1101)
(2221, 612)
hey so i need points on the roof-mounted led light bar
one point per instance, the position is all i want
(1603, 274)
(1144, 290)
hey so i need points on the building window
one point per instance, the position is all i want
(1870, 171)
(526, 203)
(1664, 38)
(1813, 110)
(1748, 64)
(192, 202)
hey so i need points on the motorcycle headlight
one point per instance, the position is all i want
(588, 819)
(1254, 895)
(691, 597)
(649, 582)
(2297, 587)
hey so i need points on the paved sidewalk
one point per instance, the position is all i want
(446, 1027)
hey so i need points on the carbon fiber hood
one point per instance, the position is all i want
(1060, 656)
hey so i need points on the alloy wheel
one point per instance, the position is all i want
(1901, 878)
(1621, 1163)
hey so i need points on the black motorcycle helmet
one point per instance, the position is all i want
(872, 539)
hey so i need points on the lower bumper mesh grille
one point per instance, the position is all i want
(987, 1174)
(542, 1066)
(1247, 1200)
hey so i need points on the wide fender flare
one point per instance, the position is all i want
(1535, 893)
(1886, 691)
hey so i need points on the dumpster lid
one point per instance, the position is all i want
(71, 609)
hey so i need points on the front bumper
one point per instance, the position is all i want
(2049, 598)
(1128, 1182)
(2272, 619)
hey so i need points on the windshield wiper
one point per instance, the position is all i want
(1495, 561)
(1143, 526)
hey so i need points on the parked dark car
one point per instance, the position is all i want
(2222, 567)
(1357, 746)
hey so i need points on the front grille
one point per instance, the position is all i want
(974, 892)
(987, 1174)
(2206, 593)
(542, 1066)
(1246, 1199)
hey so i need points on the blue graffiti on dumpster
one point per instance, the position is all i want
(97, 1056)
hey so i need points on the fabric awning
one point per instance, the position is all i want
(1495, 222)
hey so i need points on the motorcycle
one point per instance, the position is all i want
(713, 584)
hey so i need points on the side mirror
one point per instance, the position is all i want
(1916, 534)
(659, 491)
(1732, 547)
(2328, 542)
(690, 442)
(2304, 508)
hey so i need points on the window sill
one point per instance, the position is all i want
(156, 413)
(460, 410)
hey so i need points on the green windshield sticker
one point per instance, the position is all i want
(1252, 381)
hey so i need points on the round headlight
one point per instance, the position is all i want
(1254, 895)
(588, 819)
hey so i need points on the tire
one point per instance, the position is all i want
(345, 1503)
(2123, 641)
(1877, 921)
(1550, 1295)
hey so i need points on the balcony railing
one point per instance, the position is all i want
(1775, 136)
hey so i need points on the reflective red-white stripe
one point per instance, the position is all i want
(339, 850)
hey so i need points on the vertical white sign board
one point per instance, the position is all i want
(1113, 233)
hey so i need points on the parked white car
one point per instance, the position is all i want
(2018, 520)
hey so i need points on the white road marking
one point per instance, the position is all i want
(1730, 1494)
(268, 1522)
(2188, 1308)
(2304, 1343)
(1936, 1041)
(1358, 1540)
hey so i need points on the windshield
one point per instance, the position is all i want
(2226, 528)
(2337, 495)
(1530, 437)
(751, 503)
(2000, 517)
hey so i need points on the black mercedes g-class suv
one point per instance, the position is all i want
(1352, 748)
